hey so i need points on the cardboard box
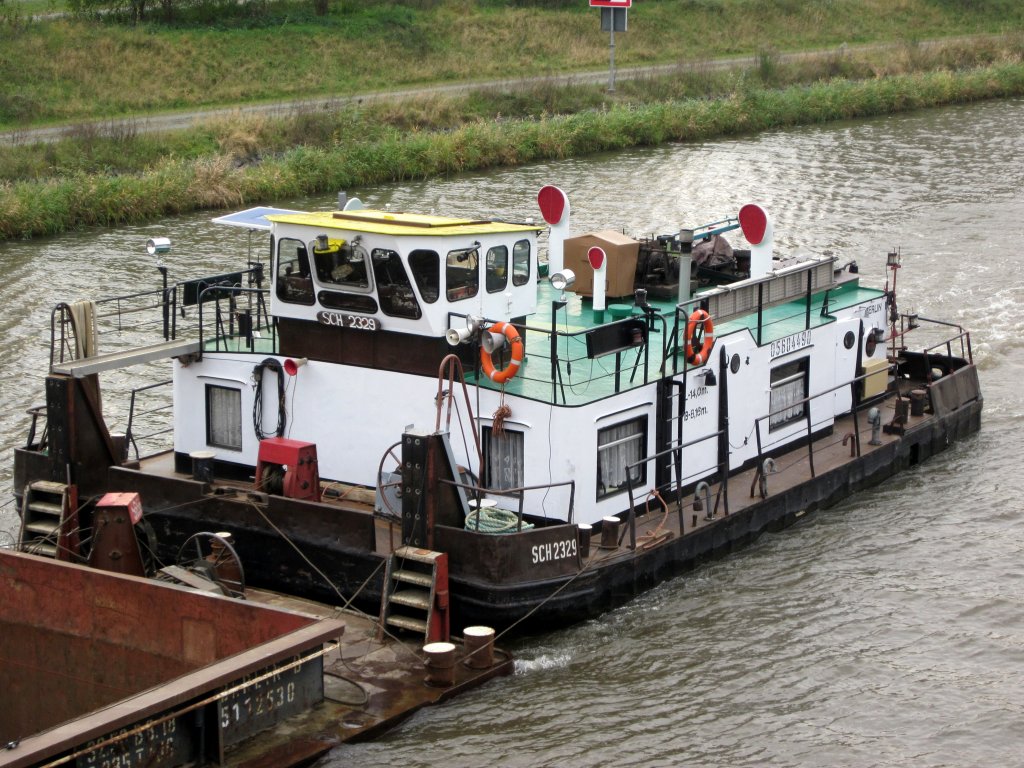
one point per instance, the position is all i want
(621, 252)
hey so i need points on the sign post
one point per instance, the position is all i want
(613, 19)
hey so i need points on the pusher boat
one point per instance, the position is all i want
(417, 415)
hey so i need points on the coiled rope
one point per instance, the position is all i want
(494, 520)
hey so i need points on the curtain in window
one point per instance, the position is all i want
(504, 459)
(784, 394)
(618, 446)
(224, 417)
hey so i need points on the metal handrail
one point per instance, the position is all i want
(129, 430)
(479, 492)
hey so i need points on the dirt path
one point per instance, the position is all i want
(182, 120)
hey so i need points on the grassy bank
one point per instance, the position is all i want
(176, 186)
(229, 53)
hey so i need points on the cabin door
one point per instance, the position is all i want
(847, 336)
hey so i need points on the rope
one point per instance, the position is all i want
(257, 405)
(494, 521)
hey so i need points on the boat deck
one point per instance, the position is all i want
(588, 379)
(370, 685)
(655, 521)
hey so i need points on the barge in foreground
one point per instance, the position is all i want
(105, 669)
(567, 451)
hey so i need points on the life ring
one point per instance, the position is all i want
(699, 318)
(500, 376)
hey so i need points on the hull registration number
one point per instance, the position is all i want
(342, 320)
(554, 550)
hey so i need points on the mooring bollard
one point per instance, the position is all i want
(479, 647)
(918, 397)
(585, 530)
(610, 532)
(202, 465)
(440, 664)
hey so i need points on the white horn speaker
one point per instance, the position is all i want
(492, 342)
(457, 336)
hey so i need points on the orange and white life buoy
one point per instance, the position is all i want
(500, 376)
(700, 331)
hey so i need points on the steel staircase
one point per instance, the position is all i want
(49, 525)
(416, 593)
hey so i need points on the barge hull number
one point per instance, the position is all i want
(790, 344)
(161, 745)
(554, 550)
(342, 320)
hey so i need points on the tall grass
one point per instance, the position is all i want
(78, 68)
(175, 186)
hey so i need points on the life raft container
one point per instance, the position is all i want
(501, 375)
(699, 319)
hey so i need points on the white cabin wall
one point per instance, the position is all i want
(352, 414)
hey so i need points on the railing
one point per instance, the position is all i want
(676, 451)
(569, 349)
(238, 325)
(159, 308)
(130, 434)
(31, 443)
(476, 492)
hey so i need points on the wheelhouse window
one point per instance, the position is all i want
(394, 291)
(521, 262)
(503, 459)
(224, 417)
(342, 264)
(426, 271)
(496, 268)
(462, 274)
(294, 283)
(789, 389)
(618, 446)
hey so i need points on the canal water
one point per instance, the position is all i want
(888, 630)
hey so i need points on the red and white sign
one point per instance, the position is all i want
(611, 3)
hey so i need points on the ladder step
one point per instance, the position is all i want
(42, 527)
(45, 508)
(414, 598)
(417, 555)
(39, 548)
(48, 486)
(407, 622)
(413, 577)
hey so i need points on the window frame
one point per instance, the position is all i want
(487, 436)
(282, 282)
(782, 378)
(605, 491)
(469, 288)
(524, 278)
(212, 437)
(495, 274)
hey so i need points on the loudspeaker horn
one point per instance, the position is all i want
(291, 367)
(457, 336)
(492, 342)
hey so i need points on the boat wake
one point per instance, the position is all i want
(542, 663)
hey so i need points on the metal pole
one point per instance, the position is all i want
(611, 65)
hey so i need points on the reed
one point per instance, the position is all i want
(174, 186)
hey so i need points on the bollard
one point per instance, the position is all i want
(610, 532)
(202, 466)
(479, 647)
(918, 398)
(440, 664)
(902, 406)
(584, 532)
